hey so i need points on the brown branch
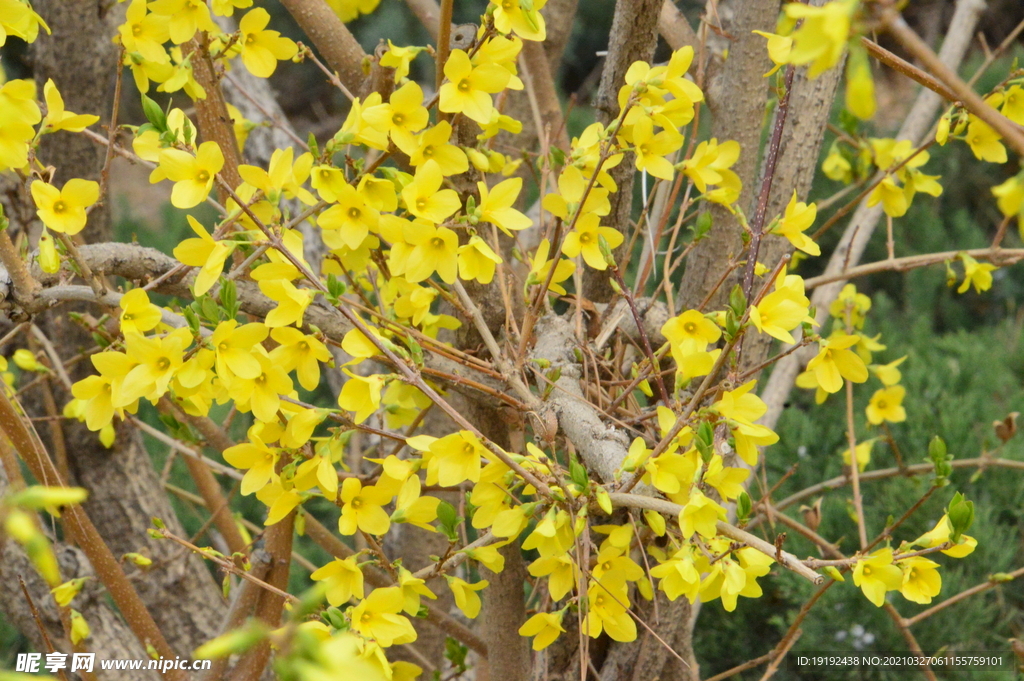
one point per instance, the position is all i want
(278, 543)
(995, 255)
(428, 12)
(972, 101)
(80, 528)
(212, 116)
(332, 38)
(674, 27)
(901, 65)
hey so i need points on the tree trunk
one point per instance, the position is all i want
(125, 490)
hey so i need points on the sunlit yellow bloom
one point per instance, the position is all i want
(876, 574)
(524, 18)
(377, 618)
(921, 579)
(344, 580)
(258, 458)
(303, 353)
(157, 360)
(432, 145)
(469, 88)
(496, 205)
(138, 315)
(362, 509)
(403, 115)
(544, 627)
(939, 535)
(466, 597)
(607, 603)
(779, 47)
(984, 142)
(977, 274)
(700, 515)
(835, 361)
(888, 374)
(361, 395)
(822, 37)
(291, 302)
(57, 118)
(64, 210)
(262, 48)
(585, 240)
(186, 17)
(561, 571)
(477, 260)
(887, 405)
(18, 101)
(193, 176)
(540, 268)
(399, 59)
(454, 459)
(797, 219)
(435, 249)
(863, 451)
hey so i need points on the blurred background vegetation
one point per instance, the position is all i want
(964, 367)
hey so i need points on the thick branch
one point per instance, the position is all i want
(674, 27)
(332, 38)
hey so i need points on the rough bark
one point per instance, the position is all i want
(810, 104)
(504, 611)
(736, 94)
(674, 27)
(110, 636)
(634, 36)
(331, 37)
(81, 59)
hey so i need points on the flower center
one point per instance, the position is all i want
(438, 242)
(428, 151)
(421, 203)
(468, 449)
(250, 39)
(398, 119)
(690, 328)
(354, 213)
(223, 347)
(163, 363)
(882, 404)
(203, 176)
(356, 503)
(59, 207)
(261, 380)
(464, 85)
(136, 29)
(585, 238)
(867, 570)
